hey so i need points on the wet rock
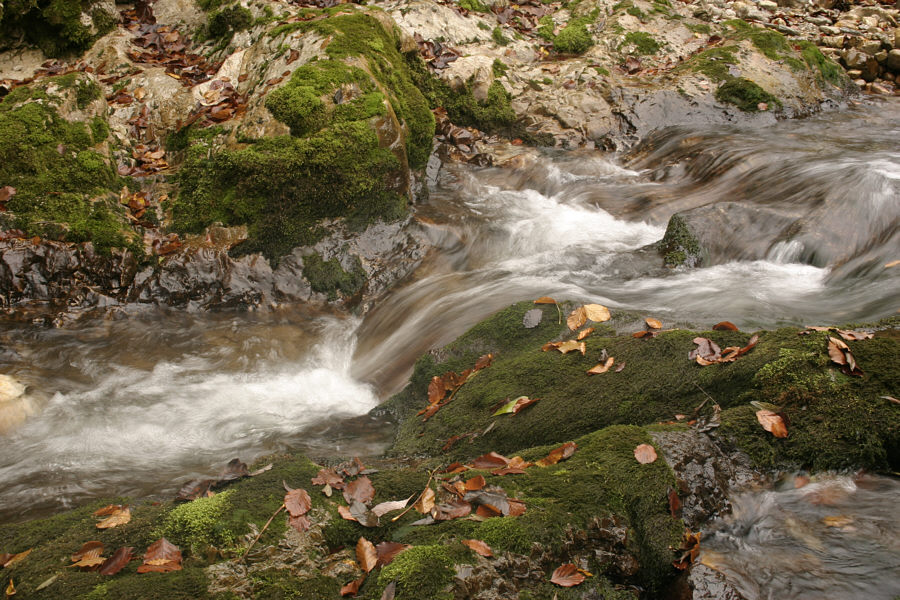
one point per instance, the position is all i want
(708, 584)
(892, 62)
(15, 405)
(706, 473)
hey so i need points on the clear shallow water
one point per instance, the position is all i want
(136, 404)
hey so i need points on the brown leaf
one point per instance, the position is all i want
(300, 523)
(88, 549)
(567, 576)
(193, 489)
(366, 555)
(388, 550)
(235, 469)
(10, 588)
(576, 318)
(475, 483)
(690, 547)
(645, 334)
(491, 460)
(619, 367)
(455, 509)
(328, 477)
(14, 559)
(107, 510)
(772, 422)
(118, 517)
(653, 323)
(425, 502)
(840, 354)
(389, 591)
(645, 454)
(488, 511)
(602, 367)
(385, 507)
(161, 557)
(479, 547)
(558, 454)
(117, 561)
(854, 336)
(725, 326)
(297, 502)
(571, 345)
(545, 300)
(516, 508)
(345, 513)
(484, 361)
(707, 351)
(674, 504)
(584, 333)
(7, 192)
(596, 312)
(456, 467)
(359, 489)
(352, 588)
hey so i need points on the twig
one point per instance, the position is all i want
(262, 531)
(559, 312)
(408, 508)
(702, 404)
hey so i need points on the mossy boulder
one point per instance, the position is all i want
(360, 131)
(52, 151)
(57, 27)
(836, 421)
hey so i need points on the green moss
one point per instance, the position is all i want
(574, 38)
(225, 23)
(828, 69)
(699, 28)
(328, 277)
(546, 28)
(187, 584)
(714, 62)
(679, 246)
(634, 11)
(474, 6)
(420, 572)
(643, 43)
(54, 26)
(195, 524)
(498, 37)
(745, 94)
(61, 184)
(499, 68)
(280, 585)
(87, 92)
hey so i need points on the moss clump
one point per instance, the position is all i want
(499, 68)
(420, 572)
(329, 277)
(225, 23)
(699, 28)
(197, 524)
(828, 69)
(574, 38)
(679, 247)
(474, 6)
(62, 184)
(714, 62)
(745, 94)
(279, 585)
(498, 37)
(54, 26)
(643, 43)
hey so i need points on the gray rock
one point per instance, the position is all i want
(768, 5)
(870, 47)
(833, 41)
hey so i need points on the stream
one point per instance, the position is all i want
(136, 404)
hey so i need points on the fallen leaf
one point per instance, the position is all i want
(7, 192)
(456, 467)
(645, 334)
(193, 489)
(389, 591)
(366, 555)
(893, 263)
(854, 336)
(674, 503)
(107, 510)
(653, 323)
(88, 549)
(772, 422)
(235, 469)
(345, 513)
(360, 489)
(567, 576)
(601, 367)
(455, 509)
(484, 361)
(352, 588)
(645, 454)
(262, 470)
(571, 345)
(549, 300)
(619, 367)
(690, 547)
(515, 406)
(300, 523)
(491, 460)
(840, 354)
(385, 507)
(558, 454)
(297, 502)
(837, 521)
(329, 477)
(516, 508)
(120, 516)
(10, 588)
(584, 333)
(479, 547)
(475, 483)
(362, 515)
(596, 312)
(488, 511)
(115, 563)
(707, 351)
(576, 318)
(890, 399)
(725, 326)
(161, 557)
(14, 559)
(388, 550)
(425, 502)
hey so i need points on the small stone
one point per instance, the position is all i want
(870, 47)
(833, 41)
(854, 74)
(880, 88)
(893, 61)
(829, 30)
(768, 5)
(881, 56)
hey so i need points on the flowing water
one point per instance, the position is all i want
(135, 405)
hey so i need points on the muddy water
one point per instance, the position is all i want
(136, 404)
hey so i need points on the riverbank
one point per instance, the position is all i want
(595, 504)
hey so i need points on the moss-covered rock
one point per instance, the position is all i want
(346, 114)
(57, 27)
(679, 247)
(747, 95)
(65, 184)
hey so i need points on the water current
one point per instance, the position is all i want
(136, 404)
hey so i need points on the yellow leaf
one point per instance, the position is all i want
(425, 502)
(653, 323)
(584, 333)
(10, 589)
(602, 367)
(545, 300)
(596, 312)
(570, 345)
(576, 318)
(772, 423)
(119, 517)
